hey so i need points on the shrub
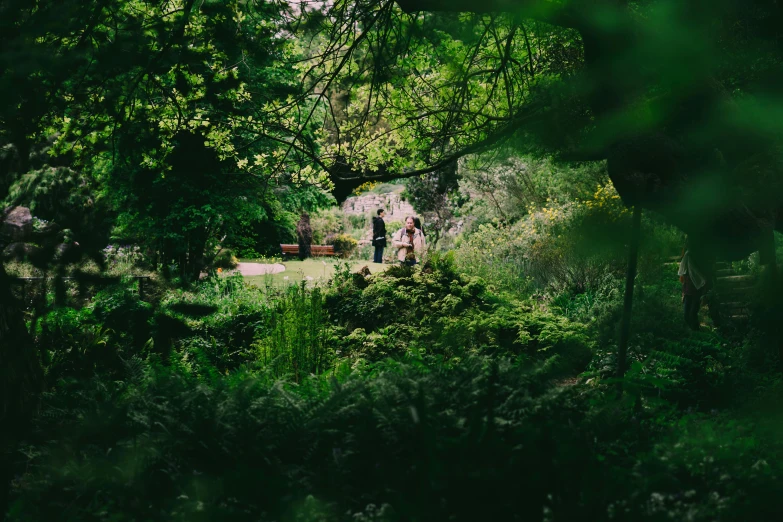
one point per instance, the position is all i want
(403, 295)
(293, 339)
(73, 346)
(544, 335)
(573, 247)
(358, 221)
(223, 308)
(384, 188)
(119, 308)
(326, 222)
(494, 331)
(320, 450)
(393, 226)
(225, 259)
(711, 467)
(440, 311)
(493, 254)
(364, 187)
(124, 259)
(367, 251)
(344, 245)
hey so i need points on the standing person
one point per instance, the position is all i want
(409, 242)
(379, 235)
(417, 224)
(693, 285)
(304, 236)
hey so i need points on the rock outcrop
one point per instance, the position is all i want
(17, 224)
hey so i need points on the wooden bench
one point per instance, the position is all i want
(315, 250)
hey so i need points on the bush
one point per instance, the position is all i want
(493, 331)
(325, 223)
(344, 245)
(392, 227)
(225, 259)
(439, 311)
(293, 339)
(492, 254)
(384, 188)
(294, 393)
(568, 248)
(711, 467)
(359, 222)
(545, 335)
(402, 295)
(119, 308)
(223, 308)
(73, 346)
(375, 442)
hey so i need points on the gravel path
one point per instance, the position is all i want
(254, 269)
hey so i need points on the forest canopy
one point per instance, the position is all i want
(680, 99)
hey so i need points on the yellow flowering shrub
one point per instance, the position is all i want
(573, 246)
(364, 187)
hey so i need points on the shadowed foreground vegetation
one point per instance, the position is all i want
(409, 395)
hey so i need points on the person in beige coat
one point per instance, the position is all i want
(409, 242)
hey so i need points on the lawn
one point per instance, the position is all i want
(319, 269)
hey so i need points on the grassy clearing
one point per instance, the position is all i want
(319, 269)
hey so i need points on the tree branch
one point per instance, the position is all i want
(555, 13)
(346, 178)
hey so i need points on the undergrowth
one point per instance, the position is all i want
(406, 395)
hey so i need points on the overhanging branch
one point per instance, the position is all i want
(346, 178)
(553, 12)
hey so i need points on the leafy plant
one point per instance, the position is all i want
(225, 259)
(344, 245)
(293, 341)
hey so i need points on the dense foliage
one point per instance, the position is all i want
(170, 117)
(400, 396)
(157, 143)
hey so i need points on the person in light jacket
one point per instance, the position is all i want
(409, 242)
(379, 235)
(694, 285)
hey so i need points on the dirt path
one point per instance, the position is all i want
(256, 269)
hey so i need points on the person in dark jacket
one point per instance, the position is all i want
(379, 235)
(417, 224)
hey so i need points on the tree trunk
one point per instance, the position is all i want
(195, 257)
(20, 368)
(21, 379)
(767, 254)
(630, 277)
(771, 297)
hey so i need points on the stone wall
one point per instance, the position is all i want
(368, 204)
(396, 210)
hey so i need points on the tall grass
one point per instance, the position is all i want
(294, 340)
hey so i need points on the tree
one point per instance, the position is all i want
(178, 111)
(171, 118)
(436, 197)
(674, 96)
(39, 47)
